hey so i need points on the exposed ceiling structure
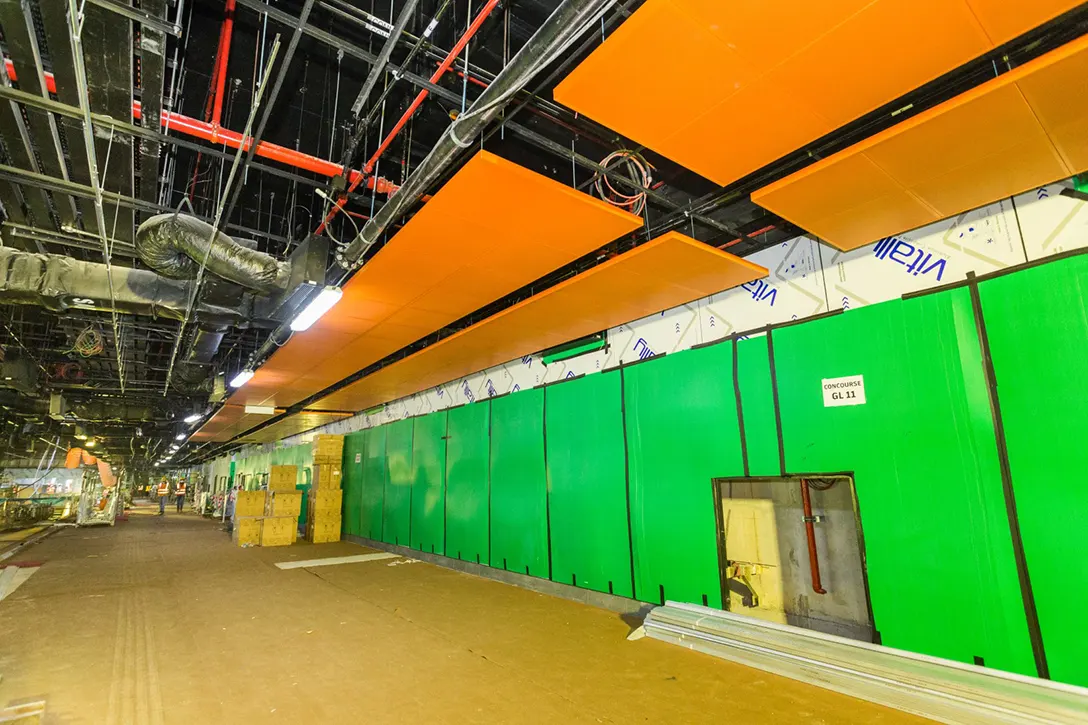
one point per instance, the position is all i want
(180, 177)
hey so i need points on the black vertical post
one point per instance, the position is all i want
(1027, 594)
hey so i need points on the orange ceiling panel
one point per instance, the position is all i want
(1023, 129)
(229, 421)
(725, 88)
(667, 271)
(293, 425)
(491, 229)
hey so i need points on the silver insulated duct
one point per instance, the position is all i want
(175, 245)
(60, 283)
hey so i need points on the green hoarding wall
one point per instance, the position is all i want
(467, 486)
(429, 483)
(519, 511)
(924, 456)
(352, 483)
(397, 511)
(757, 405)
(1038, 333)
(606, 478)
(682, 431)
(587, 484)
(375, 473)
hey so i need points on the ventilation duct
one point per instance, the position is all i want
(176, 244)
(61, 283)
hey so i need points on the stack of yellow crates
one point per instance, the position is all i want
(282, 506)
(249, 510)
(323, 524)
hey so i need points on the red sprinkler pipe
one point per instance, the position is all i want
(205, 130)
(221, 59)
(810, 531)
(420, 97)
(271, 151)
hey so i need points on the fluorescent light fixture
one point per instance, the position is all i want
(81, 436)
(260, 410)
(180, 437)
(318, 306)
(192, 418)
(241, 378)
(89, 444)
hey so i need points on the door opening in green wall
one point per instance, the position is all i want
(790, 550)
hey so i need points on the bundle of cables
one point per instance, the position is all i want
(637, 169)
(89, 343)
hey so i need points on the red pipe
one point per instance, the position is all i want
(810, 532)
(420, 97)
(205, 130)
(221, 59)
(50, 83)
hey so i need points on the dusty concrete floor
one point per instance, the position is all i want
(163, 621)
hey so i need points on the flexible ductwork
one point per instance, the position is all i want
(61, 283)
(174, 245)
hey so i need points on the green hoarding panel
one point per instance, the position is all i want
(1038, 333)
(941, 572)
(757, 401)
(397, 522)
(519, 525)
(352, 483)
(587, 484)
(375, 475)
(681, 417)
(429, 482)
(467, 461)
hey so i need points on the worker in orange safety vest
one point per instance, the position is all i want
(163, 491)
(180, 493)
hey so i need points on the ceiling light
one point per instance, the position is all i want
(192, 418)
(81, 436)
(318, 306)
(241, 378)
(89, 444)
(260, 410)
(180, 437)
(156, 463)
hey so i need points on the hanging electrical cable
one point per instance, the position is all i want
(637, 168)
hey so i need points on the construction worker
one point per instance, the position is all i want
(162, 492)
(180, 493)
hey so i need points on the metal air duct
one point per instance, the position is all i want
(175, 245)
(61, 283)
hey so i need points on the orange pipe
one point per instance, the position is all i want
(810, 532)
(416, 103)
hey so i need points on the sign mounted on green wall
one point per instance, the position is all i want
(843, 391)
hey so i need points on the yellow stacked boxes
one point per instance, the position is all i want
(326, 476)
(328, 449)
(323, 524)
(247, 531)
(324, 533)
(283, 503)
(249, 503)
(282, 478)
(278, 530)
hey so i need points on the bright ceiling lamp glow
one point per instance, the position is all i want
(180, 437)
(192, 418)
(89, 444)
(318, 306)
(241, 378)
